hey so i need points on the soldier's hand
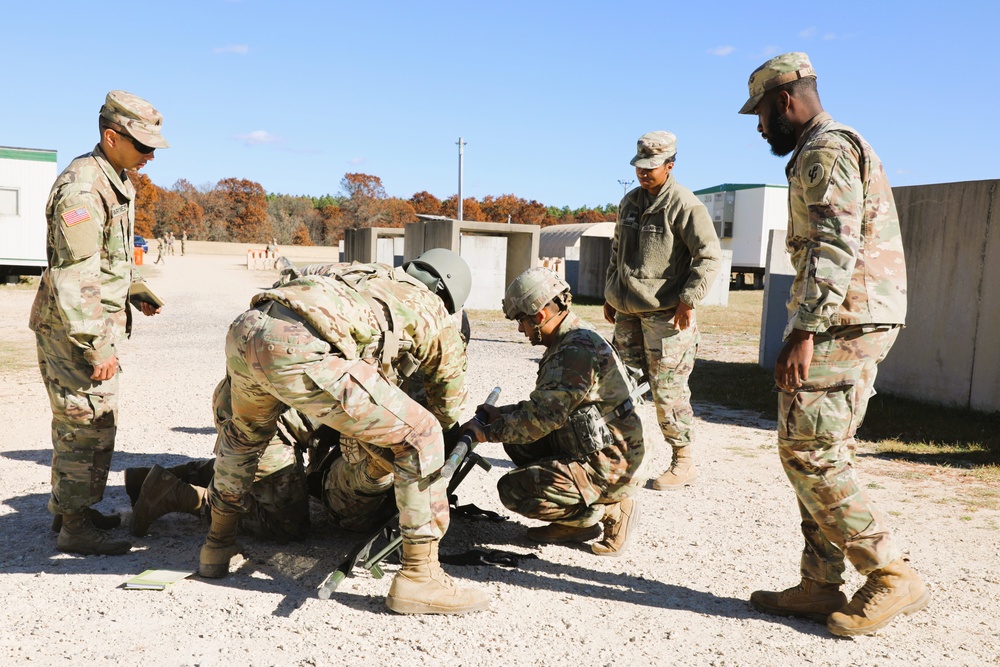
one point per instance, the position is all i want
(105, 370)
(491, 412)
(149, 309)
(792, 367)
(683, 316)
(609, 313)
(473, 427)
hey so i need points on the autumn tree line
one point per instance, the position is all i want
(240, 210)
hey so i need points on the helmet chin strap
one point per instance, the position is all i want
(536, 329)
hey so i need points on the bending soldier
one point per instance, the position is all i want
(329, 346)
(577, 441)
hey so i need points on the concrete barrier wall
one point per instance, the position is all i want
(949, 352)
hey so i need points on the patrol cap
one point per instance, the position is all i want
(653, 149)
(777, 71)
(136, 116)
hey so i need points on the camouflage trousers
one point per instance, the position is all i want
(279, 494)
(356, 484)
(816, 427)
(275, 362)
(548, 487)
(666, 355)
(84, 423)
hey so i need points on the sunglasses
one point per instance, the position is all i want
(142, 148)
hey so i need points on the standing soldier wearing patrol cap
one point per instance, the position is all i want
(847, 304)
(577, 441)
(664, 257)
(81, 311)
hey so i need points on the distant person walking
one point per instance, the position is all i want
(161, 245)
(664, 258)
(184, 238)
(847, 304)
(82, 310)
(170, 242)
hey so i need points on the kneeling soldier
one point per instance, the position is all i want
(577, 441)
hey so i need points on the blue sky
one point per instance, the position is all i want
(549, 96)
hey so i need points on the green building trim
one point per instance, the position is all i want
(28, 154)
(732, 187)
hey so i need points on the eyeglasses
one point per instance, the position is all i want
(142, 148)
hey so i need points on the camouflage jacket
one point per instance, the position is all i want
(578, 369)
(345, 317)
(83, 294)
(665, 250)
(843, 232)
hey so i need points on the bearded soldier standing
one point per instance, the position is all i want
(847, 304)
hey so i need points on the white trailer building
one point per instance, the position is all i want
(744, 216)
(26, 176)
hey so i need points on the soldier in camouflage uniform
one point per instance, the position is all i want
(82, 310)
(847, 304)
(279, 499)
(664, 257)
(577, 441)
(330, 347)
(355, 488)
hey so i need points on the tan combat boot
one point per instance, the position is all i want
(79, 536)
(890, 591)
(220, 546)
(681, 472)
(422, 587)
(100, 521)
(161, 494)
(557, 533)
(134, 479)
(810, 599)
(620, 521)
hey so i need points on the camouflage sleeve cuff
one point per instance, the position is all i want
(807, 321)
(100, 355)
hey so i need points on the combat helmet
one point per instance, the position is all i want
(531, 290)
(445, 273)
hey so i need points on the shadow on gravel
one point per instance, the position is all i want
(204, 430)
(119, 461)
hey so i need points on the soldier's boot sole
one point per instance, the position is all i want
(214, 561)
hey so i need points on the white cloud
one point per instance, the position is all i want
(257, 138)
(356, 160)
(722, 50)
(239, 49)
(807, 33)
(769, 51)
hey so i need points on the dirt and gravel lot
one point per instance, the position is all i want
(678, 596)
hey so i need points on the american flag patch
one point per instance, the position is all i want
(76, 216)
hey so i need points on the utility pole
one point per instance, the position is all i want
(461, 157)
(625, 185)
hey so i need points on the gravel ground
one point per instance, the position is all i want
(678, 596)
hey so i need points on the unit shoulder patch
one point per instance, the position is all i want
(815, 173)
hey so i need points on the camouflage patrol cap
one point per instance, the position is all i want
(653, 149)
(136, 116)
(777, 71)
